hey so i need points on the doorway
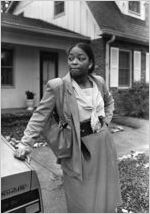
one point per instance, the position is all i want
(48, 69)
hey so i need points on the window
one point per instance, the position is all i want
(120, 68)
(124, 68)
(7, 67)
(134, 6)
(58, 7)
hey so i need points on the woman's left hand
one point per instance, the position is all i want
(22, 152)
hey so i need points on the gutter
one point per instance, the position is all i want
(133, 38)
(107, 57)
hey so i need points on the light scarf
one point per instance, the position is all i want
(91, 103)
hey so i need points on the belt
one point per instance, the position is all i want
(85, 127)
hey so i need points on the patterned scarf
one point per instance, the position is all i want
(94, 104)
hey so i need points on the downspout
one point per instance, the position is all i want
(107, 64)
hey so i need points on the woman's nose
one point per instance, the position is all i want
(75, 61)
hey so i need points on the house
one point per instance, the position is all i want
(119, 33)
(32, 52)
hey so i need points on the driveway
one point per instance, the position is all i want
(50, 174)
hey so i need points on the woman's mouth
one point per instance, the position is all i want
(74, 69)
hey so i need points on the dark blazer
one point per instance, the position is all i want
(73, 165)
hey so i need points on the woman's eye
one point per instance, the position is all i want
(81, 58)
(70, 58)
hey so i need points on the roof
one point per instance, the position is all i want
(113, 22)
(37, 25)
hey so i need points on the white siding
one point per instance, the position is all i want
(147, 68)
(137, 66)
(70, 11)
(83, 20)
(114, 66)
(27, 76)
(77, 16)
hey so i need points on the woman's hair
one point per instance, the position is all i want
(88, 50)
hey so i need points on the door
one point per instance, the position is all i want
(48, 69)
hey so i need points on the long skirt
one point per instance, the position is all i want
(99, 192)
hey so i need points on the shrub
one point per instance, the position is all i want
(133, 102)
(134, 179)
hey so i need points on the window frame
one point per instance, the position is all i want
(130, 69)
(13, 75)
(134, 12)
(61, 13)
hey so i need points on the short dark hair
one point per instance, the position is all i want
(88, 50)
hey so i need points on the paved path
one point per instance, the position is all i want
(50, 174)
(135, 139)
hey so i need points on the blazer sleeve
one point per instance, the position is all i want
(108, 104)
(40, 116)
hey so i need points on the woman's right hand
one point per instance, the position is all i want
(22, 152)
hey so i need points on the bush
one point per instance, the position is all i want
(133, 102)
(134, 178)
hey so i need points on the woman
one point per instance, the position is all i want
(91, 180)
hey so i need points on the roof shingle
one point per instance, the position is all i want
(111, 20)
(39, 25)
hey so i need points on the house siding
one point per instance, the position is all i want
(27, 75)
(25, 78)
(77, 16)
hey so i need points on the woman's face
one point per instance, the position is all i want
(78, 63)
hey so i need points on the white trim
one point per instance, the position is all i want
(147, 68)
(137, 66)
(114, 65)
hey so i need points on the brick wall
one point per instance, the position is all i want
(98, 46)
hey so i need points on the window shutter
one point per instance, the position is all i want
(137, 66)
(114, 64)
(147, 67)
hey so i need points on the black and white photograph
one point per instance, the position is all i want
(75, 106)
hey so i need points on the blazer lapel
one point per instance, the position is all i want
(73, 106)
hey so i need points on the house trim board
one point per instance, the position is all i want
(43, 31)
